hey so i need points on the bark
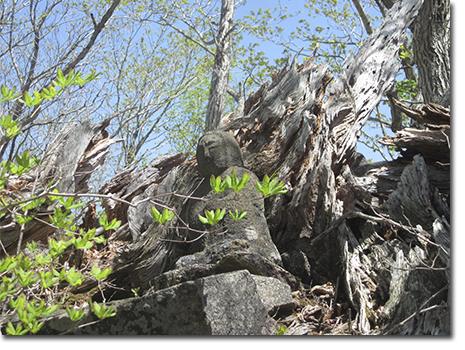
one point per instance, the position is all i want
(431, 48)
(220, 74)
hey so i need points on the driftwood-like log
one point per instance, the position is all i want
(433, 144)
(76, 153)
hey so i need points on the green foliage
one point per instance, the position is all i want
(281, 330)
(99, 274)
(269, 188)
(236, 216)
(61, 82)
(113, 225)
(101, 311)
(407, 89)
(43, 276)
(231, 182)
(75, 314)
(10, 127)
(162, 218)
(23, 164)
(217, 185)
(236, 185)
(26, 281)
(7, 94)
(212, 217)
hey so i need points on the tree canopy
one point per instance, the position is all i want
(155, 61)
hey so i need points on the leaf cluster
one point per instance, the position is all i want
(32, 285)
(267, 188)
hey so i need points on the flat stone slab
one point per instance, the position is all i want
(233, 303)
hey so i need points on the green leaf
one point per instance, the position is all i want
(10, 329)
(217, 185)
(8, 94)
(162, 218)
(11, 126)
(74, 277)
(101, 311)
(9, 263)
(235, 184)
(269, 188)
(113, 225)
(212, 217)
(75, 315)
(99, 274)
(236, 216)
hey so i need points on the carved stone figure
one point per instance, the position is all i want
(218, 153)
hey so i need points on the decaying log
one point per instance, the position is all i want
(433, 144)
(131, 183)
(378, 232)
(75, 154)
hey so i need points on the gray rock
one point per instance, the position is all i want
(235, 303)
(296, 262)
(255, 264)
(275, 295)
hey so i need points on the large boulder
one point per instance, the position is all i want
(234, 303)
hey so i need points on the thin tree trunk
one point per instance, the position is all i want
(220, 75)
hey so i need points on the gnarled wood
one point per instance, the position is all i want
(76, 153)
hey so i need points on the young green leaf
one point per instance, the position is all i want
(10, 329)
(101, 311)
(9, 263)
(235, 184)
(236, 216)
(8, 94)
(212, 217)
(269, 188)
(162, 218)
(75, 315)
(99, 274)
(217, 185)
(74, 277)
(113, 225)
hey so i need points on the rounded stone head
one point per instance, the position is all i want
(216, 152)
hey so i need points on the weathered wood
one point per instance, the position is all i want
(76, 153)
(433, 143)
(132, 182)
(353, 226)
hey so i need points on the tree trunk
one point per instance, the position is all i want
(431, 48)
(220, 75)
